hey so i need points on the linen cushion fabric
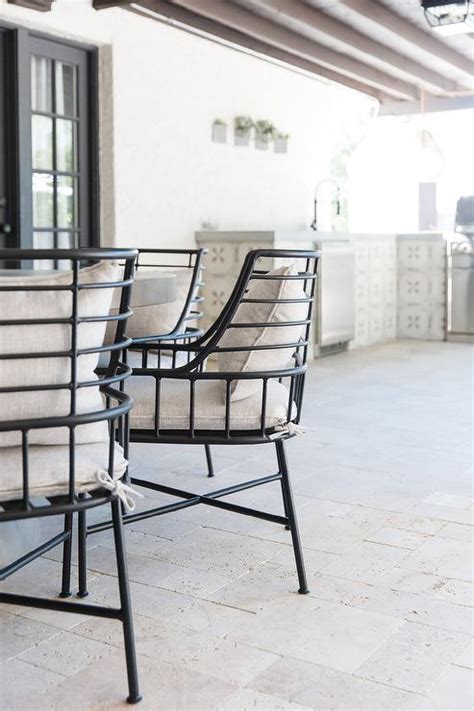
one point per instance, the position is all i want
(209, 411)
(265, 313)
(161, 319)
(42, 338)
(49, 469)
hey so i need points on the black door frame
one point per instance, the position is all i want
(18, 42)
(9, 116)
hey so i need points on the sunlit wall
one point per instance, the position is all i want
(392, 159)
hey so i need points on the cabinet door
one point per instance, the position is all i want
(462, 295)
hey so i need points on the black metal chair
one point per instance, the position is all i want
(188, 265)
(60, 457)
(188, 405)
(181, 324)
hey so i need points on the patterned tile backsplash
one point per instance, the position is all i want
(421, 287)
(376, 290)
(400, 283)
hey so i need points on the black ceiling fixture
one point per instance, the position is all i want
(448, 17)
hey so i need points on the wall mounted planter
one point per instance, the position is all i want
(219, 132)
(281, 145)
(261, 144)
(241, 138)
(263, 133)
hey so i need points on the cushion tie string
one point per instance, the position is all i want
(124, 492)
(290, 428)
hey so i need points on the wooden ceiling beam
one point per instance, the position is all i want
(307, 16)
(165, 11)
(40, 5)
(271, 33)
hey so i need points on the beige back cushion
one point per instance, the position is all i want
(263, 360)
(157, 319)
(49, 338)
(49, 469)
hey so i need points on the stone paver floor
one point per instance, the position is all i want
(384, 494)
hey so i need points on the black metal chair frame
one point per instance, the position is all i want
(192, 259)
(115, 412)
(294, 376)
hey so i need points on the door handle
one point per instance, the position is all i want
(5, 229)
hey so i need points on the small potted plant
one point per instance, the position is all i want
(219, 131)
(281, 142)
(242, 128)
(264, 132)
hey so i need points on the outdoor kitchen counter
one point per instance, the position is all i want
(400, 280)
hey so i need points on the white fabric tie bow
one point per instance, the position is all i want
(287, 428)
(124, 492)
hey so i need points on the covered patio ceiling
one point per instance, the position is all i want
(383, 48)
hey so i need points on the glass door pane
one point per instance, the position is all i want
(41, 84)
(66, 89)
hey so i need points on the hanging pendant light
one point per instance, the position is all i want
(428, 157)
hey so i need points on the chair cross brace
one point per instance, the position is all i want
(63, 606)
(190, 499)
(32, 555)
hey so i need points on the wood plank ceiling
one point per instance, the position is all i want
(383, 48)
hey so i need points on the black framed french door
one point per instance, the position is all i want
(3, 194)
(7, 210)
(49, 173)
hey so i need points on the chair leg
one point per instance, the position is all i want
(134, 695)
(210, 467)
(291, 514)
(283, 494)
(67, 551)
(82, 554)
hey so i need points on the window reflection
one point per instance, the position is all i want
(66, 201)
(65, 145)
(41, 84)
(65, 89)
(43, 200)
(42, 142)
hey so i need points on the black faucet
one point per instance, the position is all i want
(314, 224)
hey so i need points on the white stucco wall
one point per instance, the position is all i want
(160, 90)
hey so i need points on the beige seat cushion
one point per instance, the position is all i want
(49, 469)
(49, 338)
(263, 360)
(209, 407)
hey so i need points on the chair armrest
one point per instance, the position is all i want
(185, 372)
